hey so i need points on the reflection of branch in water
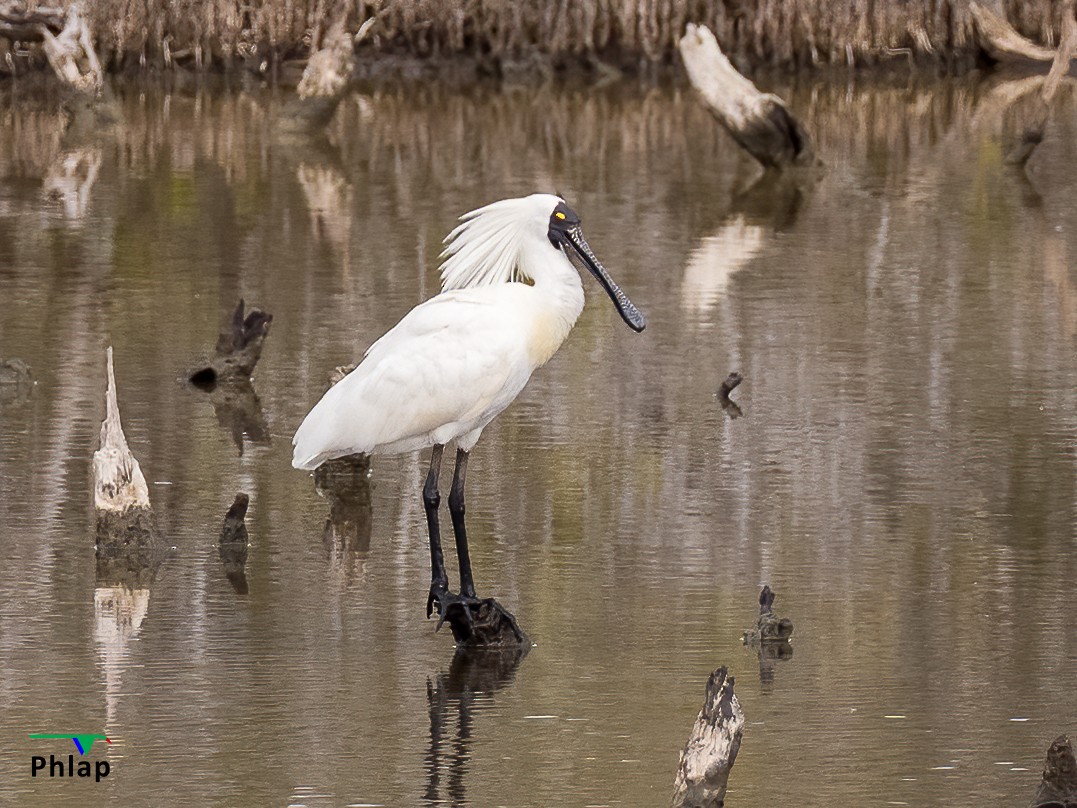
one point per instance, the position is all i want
(239, 410)
(715, 260)
(71, 178)
(329, 198)
(473, 678)
(118, 614)
(345, 484)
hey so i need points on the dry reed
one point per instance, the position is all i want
(631, 34)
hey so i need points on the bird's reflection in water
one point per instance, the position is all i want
(455, 697)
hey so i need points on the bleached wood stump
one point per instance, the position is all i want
(760, 122)
(703, 772)
(128, 546)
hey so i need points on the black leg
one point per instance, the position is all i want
(456, 511)
(439, 581)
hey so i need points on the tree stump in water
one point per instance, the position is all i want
(768, 628)
(1058, 788)
(486, 624)
(729, 406)
(239, 347)
(128, 545)
(760, 122)
(232, 545)
(711, 751)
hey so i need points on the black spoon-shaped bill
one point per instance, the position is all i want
(625, 307)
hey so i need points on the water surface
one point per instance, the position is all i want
(903, 474)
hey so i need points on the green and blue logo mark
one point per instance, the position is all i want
(56, 765)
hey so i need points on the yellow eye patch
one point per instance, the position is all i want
(559, 215)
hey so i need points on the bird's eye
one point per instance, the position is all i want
(560, 215)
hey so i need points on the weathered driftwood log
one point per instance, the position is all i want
(760, 122)
(232, 545)
(711, 751)
(1032, 135)
(1001, 42)
(729, 406)
(1058, 788)
(65, 37)
(239, 347)
(128, 547)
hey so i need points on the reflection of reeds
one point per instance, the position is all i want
(217, 32)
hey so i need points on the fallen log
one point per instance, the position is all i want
(239, 347)
(760, 122)
(1058, 787)
(65, 37)
(128, 548)
(711, 750)
(1000, 41)
(232, 544)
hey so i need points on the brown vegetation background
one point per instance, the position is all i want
(629, 34)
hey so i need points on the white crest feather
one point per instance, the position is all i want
(485, 247)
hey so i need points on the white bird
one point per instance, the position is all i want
(509, 297)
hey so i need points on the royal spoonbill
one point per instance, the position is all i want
(509, 296)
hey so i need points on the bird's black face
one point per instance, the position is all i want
(565, 232)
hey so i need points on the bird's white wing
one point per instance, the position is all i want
(452, 360)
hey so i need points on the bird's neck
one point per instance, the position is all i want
(557, 305)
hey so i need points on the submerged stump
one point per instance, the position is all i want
(760, 122)
(239, 347)
(486, 624)
(232, 544)
(711, 750)
(127, 538)
(1058, 788)
(729, 406)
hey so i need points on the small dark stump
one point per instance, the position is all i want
(768, 627)
(1058, 788)
(232, 546)
(239, 347)
(485, 624)
(729, 406)
(770, 638)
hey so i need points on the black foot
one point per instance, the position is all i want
(474, 622)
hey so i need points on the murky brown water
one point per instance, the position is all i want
(904, 475)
